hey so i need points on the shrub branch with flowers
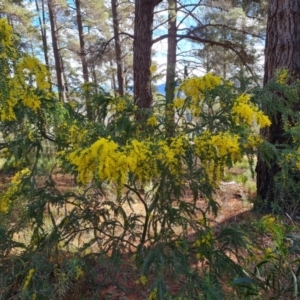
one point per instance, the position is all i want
(135, 190)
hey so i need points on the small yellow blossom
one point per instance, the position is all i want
(153, 295)
(79, 273)
(142, 280)
(281, 76)
(20, 175)
(178, 103)
(120, 104)
(253, 141)
(152, 121)
(153, 68)
(28, 279)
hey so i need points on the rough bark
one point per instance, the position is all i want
(58, 65)
(282, 51)
(82, 54)
(171, 68)
(144, 13)
(117, 47)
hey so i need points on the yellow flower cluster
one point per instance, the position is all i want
(153, 68)
(281, 76)
(214, 150)
(248, 112)
(31, 66)
(170, 155)
(6, 39)
(118, 105)
(19, 87)
(4, 203)
(269, 253)
(8, 54)
(28, 279)
(7, 197)
(204, 240)
(31, 100)
(268, 223)
(20, 175)
(152, 121)
(142, 280)
(106, 160)
(195, 88)
(153, 295)
(86, 87)
(76, 135)
(79, 272)
(253, 141)
(178, 103)
(5, 153)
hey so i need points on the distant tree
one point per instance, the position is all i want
(118, 52)
(41, 14)
(56, 53)
(82, 54)
(235, 23)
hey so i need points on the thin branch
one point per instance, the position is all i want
(227, 45)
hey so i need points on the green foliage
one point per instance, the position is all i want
(84, 195)
(280, 151)
(275, 275)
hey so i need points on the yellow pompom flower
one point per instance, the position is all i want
(178, 103)
(248, 112)
(195, 88)
(152, 121)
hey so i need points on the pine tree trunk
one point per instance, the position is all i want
(58, 66)
(282, 51)
(117, 47)
(144, 13)
(85, 71)
(171, 69)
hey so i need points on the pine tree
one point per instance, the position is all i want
(282, 52)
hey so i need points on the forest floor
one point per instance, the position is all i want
(235, 206)
(234, 198)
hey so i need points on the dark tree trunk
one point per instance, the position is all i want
(144, 13)
(42, 22)
(58, 65)
(282, 51)
(117, 47)
(85, 71)
(43, 31)
(171, 68)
